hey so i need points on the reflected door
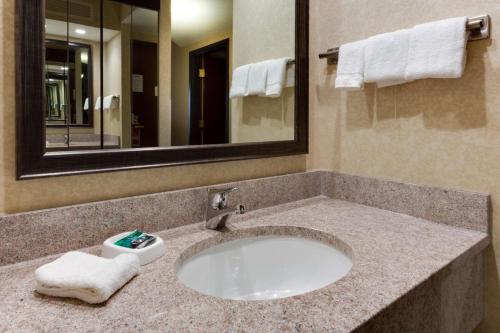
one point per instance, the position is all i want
(145, 94)
(209, 102)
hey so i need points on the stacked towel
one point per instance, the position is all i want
(266, 79)
(351, 66)
(386, 57)
(438, 49)
(431, 50)
(240, 82)
(86, 277)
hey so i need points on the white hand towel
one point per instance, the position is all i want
(437, 49)
(89, 278)
(86, 104)
(98, 103)
(110, 102)
(239, 84)
(386, 58)
(276, 76)
(257, 79)
(351, 66)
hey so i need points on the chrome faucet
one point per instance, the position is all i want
(217, 211)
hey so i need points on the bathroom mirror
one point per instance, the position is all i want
(139, 83)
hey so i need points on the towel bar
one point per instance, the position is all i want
(478, 26)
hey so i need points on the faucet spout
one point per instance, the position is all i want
(217, 211)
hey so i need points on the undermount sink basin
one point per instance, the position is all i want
(264, 267)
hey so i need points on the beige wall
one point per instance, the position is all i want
(18, 196)
(263, 30)
(180, 88)
(438, 132)
(165, 69)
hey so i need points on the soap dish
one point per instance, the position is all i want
(146, 255)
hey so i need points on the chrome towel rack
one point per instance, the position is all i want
(479, 27)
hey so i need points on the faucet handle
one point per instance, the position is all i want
(219, 197)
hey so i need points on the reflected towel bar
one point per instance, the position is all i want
(478, 26)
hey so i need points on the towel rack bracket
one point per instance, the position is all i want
(479, 27)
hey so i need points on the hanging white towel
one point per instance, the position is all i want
(386, 58)
(239, 84)
(437, 49)
(257, 79)
(276, 76)
(86, 277)
(350, 68)
(86, 104)
(109, 103)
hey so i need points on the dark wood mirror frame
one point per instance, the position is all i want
(34, 162)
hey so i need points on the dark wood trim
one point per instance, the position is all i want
(34, 162)
(148, 4)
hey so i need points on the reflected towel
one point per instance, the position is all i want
(257, 79)
(437, 49)
(86, 277)
(110, 102)
(276, 76)
(239, 84)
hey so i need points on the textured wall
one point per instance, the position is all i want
(438, 132)
(53, 192)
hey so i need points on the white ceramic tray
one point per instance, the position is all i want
(146, 255)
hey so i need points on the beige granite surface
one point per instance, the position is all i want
(393, 254)
(74, 227)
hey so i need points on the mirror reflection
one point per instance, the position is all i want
(171, 73)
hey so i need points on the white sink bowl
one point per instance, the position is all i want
(263, 268)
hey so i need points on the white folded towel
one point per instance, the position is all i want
(110, 102)
(437, 50)
(276, 76)
(239, 84)
(386, 58)
(257, 79)
(89, 278)
(351, 66)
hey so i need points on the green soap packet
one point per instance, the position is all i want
(127, 240)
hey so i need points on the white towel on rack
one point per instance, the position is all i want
(276, 76)
(437, 49)
(386, 58)
(257, 79)
(239, 83)
(86, 104)
(89, 278)
(350, 68)
(109, 103)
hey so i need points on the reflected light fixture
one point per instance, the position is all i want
(80, 31)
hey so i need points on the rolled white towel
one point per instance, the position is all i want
(239, 83)
(386, 58)
(437, 49)
(86, 277)
(351, 66)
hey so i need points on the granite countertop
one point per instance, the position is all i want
(392, 253)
